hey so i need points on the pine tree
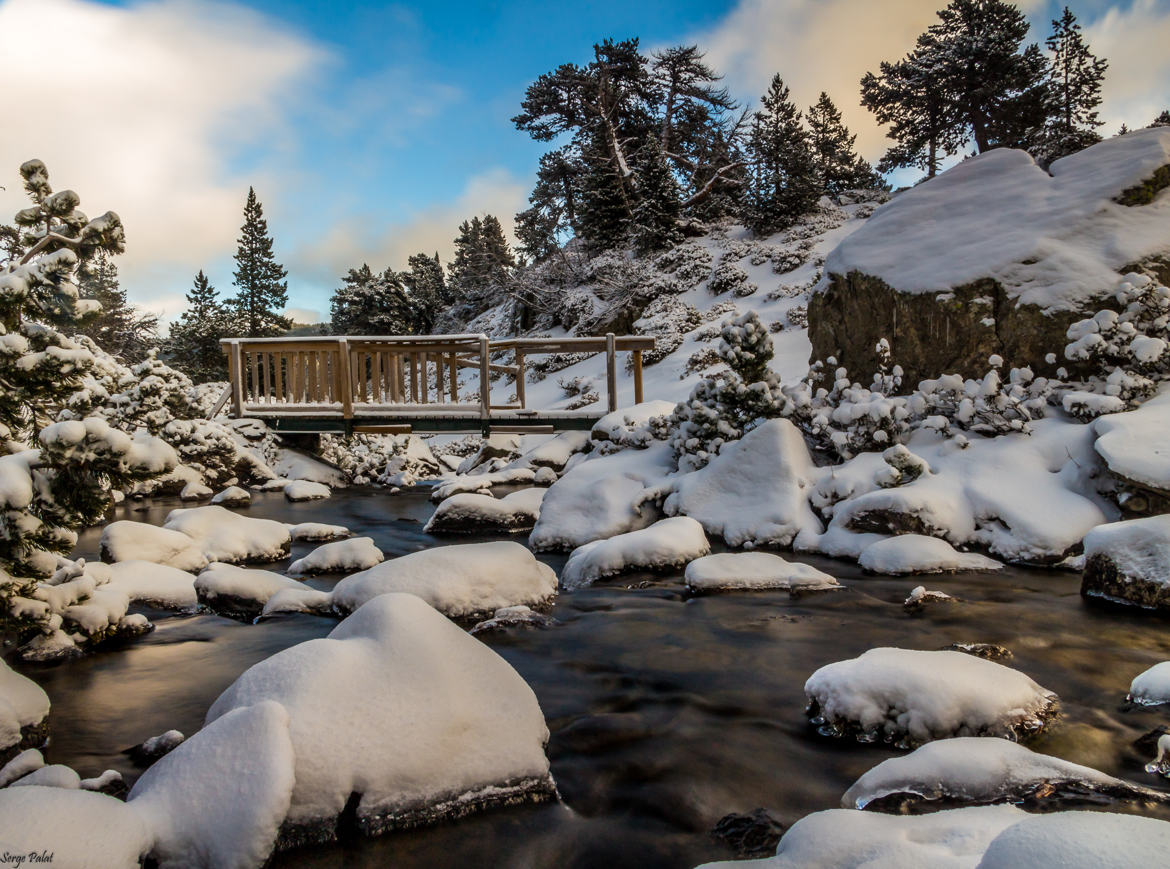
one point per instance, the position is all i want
(655, 223)
(783, 184)
(837, 166)
(1124, 129)
(371, 304)
(1074, 92)
(466, 271)
(118, 327)
(498, 259)
(1163, 119)
(259, 278)
(553, 204)
(193, 346)
(428, 290)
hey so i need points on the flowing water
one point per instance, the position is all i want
(666, 711)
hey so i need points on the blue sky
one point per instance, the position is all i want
(371, 129)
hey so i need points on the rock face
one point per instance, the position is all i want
(995, 256)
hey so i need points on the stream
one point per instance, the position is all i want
(666, 711)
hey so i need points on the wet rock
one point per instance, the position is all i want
(109, 783)
(510, 617)
(1129, 563)
(987, 651)
(921, 598)
(152, 749)
(755, 834)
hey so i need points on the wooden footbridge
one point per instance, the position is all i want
(410, 383)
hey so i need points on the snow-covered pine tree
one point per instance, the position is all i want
(1074, 92)
(63, 483)
(193, 346)
(655, 223)
(262, 292)
(836, 164)
(497, 253)
(553, 204)
(119, 327)
(1163, 119)
(371, 304)
(782, 183)
(428, 290)
(996, 86)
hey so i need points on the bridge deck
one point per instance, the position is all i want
(402, 384)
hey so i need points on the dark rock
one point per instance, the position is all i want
(1103, 580)
(31, 736)
(755, 834)
(1041, 796)
(1147, 744)
(886, 521)
(152, 749)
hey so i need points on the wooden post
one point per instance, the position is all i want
(520, 378)
(611, 369)
(346, 380)
(236, 362)
(439, 378)
(637, 377)
(485, 379)
(414, 378)
(453, 376)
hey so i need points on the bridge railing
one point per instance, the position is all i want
(330, 375)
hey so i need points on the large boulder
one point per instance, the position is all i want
(995, 256)
(1129, 563)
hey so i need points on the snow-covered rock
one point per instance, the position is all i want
(463, 582)
(471, 512)
(1134, 444)
(239, 592)
(220, 797)
(24, 708)
(125, 540)
(54, 775)
(232, 496)
(1129, 562)
(313, 531)
(603, 496)
(921, 597)
(668, 543)
(911, 697)
(554, 453)
(755, 492)
(156, 585)
(401, 707)
(357, 553)
(195, 491)
(482, 483)
(1151, 687)
(753, 571)
(80, 829)
(154, 747)
(851, 839)
(306, 490)
(298, 600)
(29, 760)
(512, 617)
(978, 771)
(294, 465)
(914, 553)
(226, 536)
(1080, 840)
(629, 426)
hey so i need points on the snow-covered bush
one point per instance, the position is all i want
(724, 407)
(1129, 349)
(668, 320)
(689, 263)
(728, 277)
(988, 406)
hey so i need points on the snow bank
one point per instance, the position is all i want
(23, 706)
(913, 697)
(849, 839)
(1053, 241)
(1129, 562)
(220, 797)
(1152, 687)
(462, 582)
(305, 490)
(81, 829)
(603, 496)
(357, 553)
(156, 585)
(237, 591)
(402, 707)
(755, 492)
(1134, 444)
(668, 543)
(753, 571)
(971, 770)
(628, 426)
(470, 513)
(1080, 840)
(914, 553)
(226, 536)
(137, 541)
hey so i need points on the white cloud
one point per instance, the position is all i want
(365, 239)
(303, 315)
(1137, 84)
(141, 110)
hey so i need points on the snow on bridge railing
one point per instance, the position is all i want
(331, 374)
